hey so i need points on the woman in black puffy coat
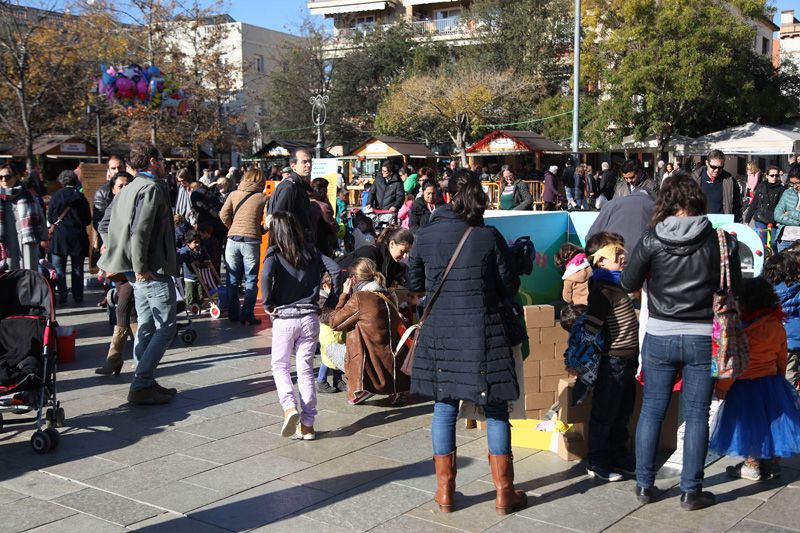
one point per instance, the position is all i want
(463, 352)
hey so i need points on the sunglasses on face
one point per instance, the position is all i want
(773, 175)
(715, 167)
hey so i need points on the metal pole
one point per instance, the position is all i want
(99, 138)
(576, 84)
(319, 141)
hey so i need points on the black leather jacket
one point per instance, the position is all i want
(679, 259)
(102, 199)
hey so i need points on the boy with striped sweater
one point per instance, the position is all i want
(611, 311)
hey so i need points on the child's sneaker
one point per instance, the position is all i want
(326, 388)
(744, 471)
(601, 472)
(290, 419)
(304, 433)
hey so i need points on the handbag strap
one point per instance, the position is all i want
(61, 216)
(242, 201)
(724, 266)
(438, 289)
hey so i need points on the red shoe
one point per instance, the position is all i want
(360, 398)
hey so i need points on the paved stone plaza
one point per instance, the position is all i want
(213, 460)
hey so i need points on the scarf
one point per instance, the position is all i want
(28, 217)
(603, 274)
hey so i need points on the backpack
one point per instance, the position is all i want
(523, 252)
(584, 349)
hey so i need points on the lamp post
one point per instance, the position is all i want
(318, 115)
(576, 84)
(94, 107)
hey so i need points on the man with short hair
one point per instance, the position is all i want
(723, 194)
(291, 194)
(141, 244)
(634, 179)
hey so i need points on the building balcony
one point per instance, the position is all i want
(336, 7)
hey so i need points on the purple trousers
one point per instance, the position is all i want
(297, 336)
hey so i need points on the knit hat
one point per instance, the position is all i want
(553, 169)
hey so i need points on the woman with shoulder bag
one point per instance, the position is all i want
(680, 257)
(766, 196)
(462, 350)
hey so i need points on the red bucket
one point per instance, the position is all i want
(65, 346)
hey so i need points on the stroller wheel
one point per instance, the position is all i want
(40, 442)
(55, 438)
(215, 312)
(189, 336)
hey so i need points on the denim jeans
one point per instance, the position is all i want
(443, 428)
(241, 262)
(783, 245)
(662, 357)
(76, 272)
(612, 407)
(155, 307)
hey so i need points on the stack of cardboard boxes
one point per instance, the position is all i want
(544, 367)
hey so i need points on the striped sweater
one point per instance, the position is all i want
(611, 310)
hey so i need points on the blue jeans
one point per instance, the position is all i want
(155, 307)
(783, 245)
(612, 407)
(443, 428)
(241, 262)
(662, 357)
(76, 272)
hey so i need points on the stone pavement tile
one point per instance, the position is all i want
(150, 474)
(79, 523)
(259, 506)
(368, 506)
(28, 513)
(474, 508)
(726, 488)
(38, 484)
(584, 506)
(75, 444)
(85, 468)
(394, 421)
(8, 495)
(544, 473)
(225, 426)
(212, 374)
(325, 422)
(179, 496)
(630, 524)
(226, 390)
(327, 446)
(520, 524)
(407, 448)
(422, 475)
(238, 447)
(719, 517)
(753, 526)
(107, 506)
(476, 447)
(405, 522)
(299, 523)
(214, 409)
(153, 446)
(783, 509)
(247, 473)
(344, 473)
(174, 523)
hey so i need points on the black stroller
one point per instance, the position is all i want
(28, 355)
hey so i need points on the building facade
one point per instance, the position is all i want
(789, 35)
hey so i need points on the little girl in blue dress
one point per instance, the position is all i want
(760, 417)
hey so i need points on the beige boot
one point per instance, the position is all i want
(133, 329)
(113, 364)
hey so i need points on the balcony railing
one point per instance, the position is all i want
(453, 26)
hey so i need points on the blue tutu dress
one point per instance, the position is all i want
(759, 418)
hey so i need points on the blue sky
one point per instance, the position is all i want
(284, 15)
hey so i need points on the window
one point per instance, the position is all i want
(765, 46)
(368, 19)
(259, 61)
(448, 14)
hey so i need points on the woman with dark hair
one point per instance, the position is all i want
(679, 256)
(765, 198)
(389, 249)
(69, 214)
(322, 219)
(22, 223)
(290, 282)
(424, 206)
(463, 351)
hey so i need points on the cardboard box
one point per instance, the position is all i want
(539, 400)
(578, 414)
(531, 385)
(539, 316)
(534, 335)
(553, 335)
(525, 435)
(481, 425)
(535, 414)
(553, 367)
(542, 352)
(571, 446)
(548, 383)
(531, 367)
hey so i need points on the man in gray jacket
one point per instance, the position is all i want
(141, 245)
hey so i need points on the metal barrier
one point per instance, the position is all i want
(536, 189)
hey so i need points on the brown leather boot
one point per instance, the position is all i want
(133, 329)
(445, 481)
(113, 363)
(508, 500)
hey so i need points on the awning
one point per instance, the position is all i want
(513, 142)
(748, 139)
(649, 143)
(334, 7)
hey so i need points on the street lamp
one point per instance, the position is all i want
(576, 84)
(318, 115)
(94, 107)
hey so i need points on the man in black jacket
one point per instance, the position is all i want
(387, 191)
(103, 195)
(291, 194)
(722, 191)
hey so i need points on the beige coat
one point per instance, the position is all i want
(576, 287)
(249, 217)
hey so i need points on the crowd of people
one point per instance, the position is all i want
(338, 280)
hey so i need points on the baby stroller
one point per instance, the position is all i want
(28, 355)
(209, 280)
(185, 330)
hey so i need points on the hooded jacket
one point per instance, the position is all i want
(576, 282)
(680, 260)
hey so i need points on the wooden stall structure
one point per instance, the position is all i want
(512, 147)
(278, 150)
(59, 152)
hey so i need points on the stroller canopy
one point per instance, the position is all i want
(26, 293)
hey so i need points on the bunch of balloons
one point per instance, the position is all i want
(134, 85)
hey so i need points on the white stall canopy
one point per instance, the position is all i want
(748, 140)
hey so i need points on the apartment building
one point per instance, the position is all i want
(789, 37)
(439, 20)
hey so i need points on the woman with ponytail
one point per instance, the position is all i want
(463, 351)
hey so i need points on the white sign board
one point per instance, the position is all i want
(73, 148)
(327, 168)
